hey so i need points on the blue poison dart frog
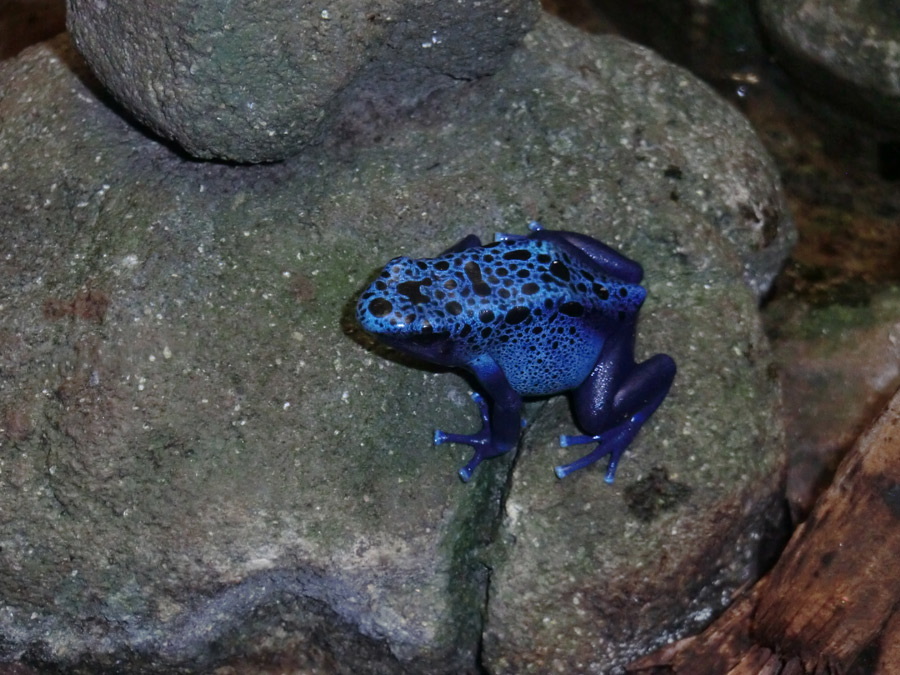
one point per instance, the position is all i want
(531, 315)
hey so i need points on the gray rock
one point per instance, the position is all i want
(254, 81)
(203, 462)
(847, 52)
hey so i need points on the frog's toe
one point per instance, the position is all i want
(566, 440)
(482, 405)
(441, 437)
(481, 442)
(482, 451)
(465, 473)
(564, 470)
(475, 440)
(612, 443)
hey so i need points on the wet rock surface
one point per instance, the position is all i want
(253, 81)
(847, 52)
(203, 462)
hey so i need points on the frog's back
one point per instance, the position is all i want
(540, 310)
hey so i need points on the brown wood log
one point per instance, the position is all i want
(889, 657)
(834, 590)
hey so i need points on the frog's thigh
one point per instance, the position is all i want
(608, 260)
(593, 399)
(618, 388)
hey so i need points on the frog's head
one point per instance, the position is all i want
(400, 308)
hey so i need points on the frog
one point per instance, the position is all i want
(528, 316)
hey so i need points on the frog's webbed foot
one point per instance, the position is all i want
(482, 441)
(612, 442)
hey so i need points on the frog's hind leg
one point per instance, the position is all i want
(613, 404)
(607, 259)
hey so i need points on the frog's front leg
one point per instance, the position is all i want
(500, 414)
(616, 399)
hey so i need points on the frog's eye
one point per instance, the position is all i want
(380, 308)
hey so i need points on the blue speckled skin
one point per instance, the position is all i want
(528, 315)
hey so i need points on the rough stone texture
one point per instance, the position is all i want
(202, 461)
(255, 81)
(848, 52)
